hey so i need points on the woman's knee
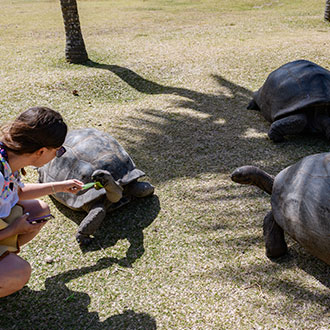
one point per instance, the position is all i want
(26, 270)
(15, 272)
(35, 207)
(44, 208)
(23, 274)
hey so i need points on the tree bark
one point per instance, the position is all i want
(75, 50)
(327, 10)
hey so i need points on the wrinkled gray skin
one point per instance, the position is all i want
(295, 98)
(92, 156)
(300, 199)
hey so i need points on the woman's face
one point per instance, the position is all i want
(45, 155)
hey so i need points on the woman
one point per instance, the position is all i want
(34, 138)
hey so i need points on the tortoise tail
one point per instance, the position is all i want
(253, 105)
(254, 176)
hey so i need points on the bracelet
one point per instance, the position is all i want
(53, 189)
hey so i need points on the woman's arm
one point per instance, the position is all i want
(6, 232)
(18, 227)
(36, 190)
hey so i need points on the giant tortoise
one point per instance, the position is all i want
(295, 98)
(300, 199)
(92, 155)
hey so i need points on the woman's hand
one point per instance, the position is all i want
(22, 226)
(68, 186)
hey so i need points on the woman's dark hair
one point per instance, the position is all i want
(33, 129)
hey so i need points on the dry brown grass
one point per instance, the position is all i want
(170, 80)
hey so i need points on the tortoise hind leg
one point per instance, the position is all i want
(90, 223)
(290, 125)
(274, 237)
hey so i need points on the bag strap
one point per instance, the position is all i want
(4, 154)
(2, 170)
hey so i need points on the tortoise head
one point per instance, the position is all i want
(114, 191)
(243, 174)
(254, 176)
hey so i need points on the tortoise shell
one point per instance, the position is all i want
(301, 203)
(296, 86)
(87, 150)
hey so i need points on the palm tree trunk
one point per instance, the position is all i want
(327, 10)
(75, 51)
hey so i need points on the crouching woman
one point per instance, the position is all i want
(34, 138)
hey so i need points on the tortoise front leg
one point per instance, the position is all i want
(90, 223)
(274, 237)
(139, 189)
(290, 125)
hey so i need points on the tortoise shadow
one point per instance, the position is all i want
(57, 305)
(246, 278)
(298, 256)
(127, 222)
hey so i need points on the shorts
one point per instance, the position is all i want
(10, 244)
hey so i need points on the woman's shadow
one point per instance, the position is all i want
(58, 307)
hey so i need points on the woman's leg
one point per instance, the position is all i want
(15, 272)
(36, 208)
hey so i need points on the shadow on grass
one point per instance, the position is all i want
(216, 135)
(267, 277)
(127, 222)
(299, 257)
(58, 307)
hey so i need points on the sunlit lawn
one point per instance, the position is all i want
(170, 80)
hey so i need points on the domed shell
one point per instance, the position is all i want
(293, 87)
(88, 150)
(301, 203)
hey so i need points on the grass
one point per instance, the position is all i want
(170, 80)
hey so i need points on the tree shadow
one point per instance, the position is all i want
(58, 307)
(215, 135)
(127, 222)
(146, 86)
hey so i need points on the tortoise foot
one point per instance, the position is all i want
(276, 138)
(139, 189)
(291, 125)
(83, 240)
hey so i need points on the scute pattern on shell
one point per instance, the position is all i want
(101, 151)
(292, 87)
(301, 203)
(88, 150)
